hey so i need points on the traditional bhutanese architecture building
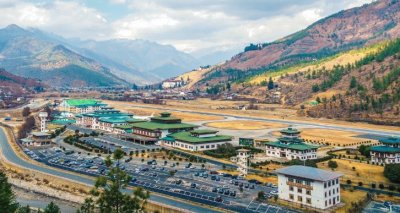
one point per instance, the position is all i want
(291, 146)
(37, 139)
(161, 126)
(105, 119)
(81, 105)
(195, 140)
(309, 186)
(388, 152)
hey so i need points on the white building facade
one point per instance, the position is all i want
(290, 146)
(387, 153)
(309, 186)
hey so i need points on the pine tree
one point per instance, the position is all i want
(7, 197)
(270, 83)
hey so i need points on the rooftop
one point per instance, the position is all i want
(385, 149)
(114, 119)
(308, 173)
(390, 140)
(203, 131)
(295, 146)
(290, 130)
(81, 102)
(162, 126)
(187, 137)
(40, 134)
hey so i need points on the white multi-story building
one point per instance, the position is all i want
(290, 146)
(243, 158)
(195, 140)
(388, 152)
(309, 186)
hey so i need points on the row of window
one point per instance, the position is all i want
(300, 199)
(332, 192)
(332, 201)
(300, 190)
(331, 183)
(291, 151)
(299, 181)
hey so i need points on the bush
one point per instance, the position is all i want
(348, 182)
(332, 164)
(360, 183)
(392, 172)
(381, 186)
(373, 185)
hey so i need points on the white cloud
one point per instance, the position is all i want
(188, 25)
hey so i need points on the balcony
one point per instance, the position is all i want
(299, 185)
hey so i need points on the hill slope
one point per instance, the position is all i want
(342, 31)
(13, 85)
(367, 90)
(152, 60)
(32, 56)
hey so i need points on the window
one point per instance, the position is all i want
(308, 192)
(299, 190)
(299, 181)
(325, 185)
(290, 179)
(326, 203)
(300, 198)
(329, 184)
(338, 199)
(337, 181)
(308, 200)
(308, 183)
(290, 188)
(325, 194)
(291, 196)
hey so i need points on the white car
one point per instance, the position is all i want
(274, 192)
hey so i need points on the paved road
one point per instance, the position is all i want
(11, 156)
(303, 124)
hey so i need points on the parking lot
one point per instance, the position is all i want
(189, 181)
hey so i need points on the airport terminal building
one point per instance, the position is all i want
(290, 146)
(196, 140)
(387, 153)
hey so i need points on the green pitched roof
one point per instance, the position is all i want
(390, 140)
(203, 131)
(386, 149)
(168, 138)
(188, 137)
(295, 146)
(80, 102)
(63, 121)
(122, 119)
(290, 130)
(162, 126)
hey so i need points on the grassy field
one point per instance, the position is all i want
(244, 125)
(365, 173)
(194, 77)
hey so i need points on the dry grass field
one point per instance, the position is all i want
(334, 137)
(365, 173)
(185, 116)
(271, 111)
(349, 197)
(244, 125)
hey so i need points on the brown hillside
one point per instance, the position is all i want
(347, 29)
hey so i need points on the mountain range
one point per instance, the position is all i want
(72, 62)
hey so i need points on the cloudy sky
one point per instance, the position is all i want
(189, 25)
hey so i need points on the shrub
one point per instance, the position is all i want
(392, 172)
